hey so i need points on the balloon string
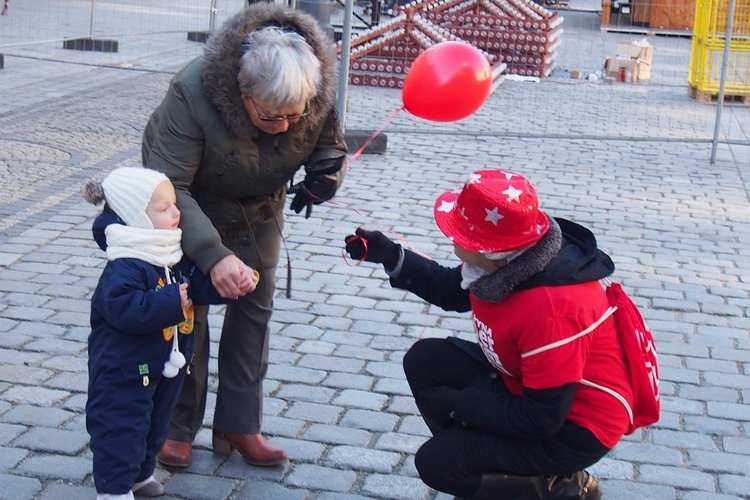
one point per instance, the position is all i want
(364, 245)
(373, 136)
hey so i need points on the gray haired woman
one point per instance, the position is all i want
(234, 128)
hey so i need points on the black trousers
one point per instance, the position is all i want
(456, 457)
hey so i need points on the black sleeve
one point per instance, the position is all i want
(438, 285)
(539, 414)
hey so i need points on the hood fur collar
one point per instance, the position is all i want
(498, 285)
(222, 56)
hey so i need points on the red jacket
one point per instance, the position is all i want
(533, 318)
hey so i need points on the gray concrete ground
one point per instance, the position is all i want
(678, 229)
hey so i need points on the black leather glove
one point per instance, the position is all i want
(314, 190)
(437, 404)
(373, 246)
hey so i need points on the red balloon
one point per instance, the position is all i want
(447, 82)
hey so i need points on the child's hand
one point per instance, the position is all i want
(249, 278)
(183, 295)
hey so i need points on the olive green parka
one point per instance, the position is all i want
(230, 176)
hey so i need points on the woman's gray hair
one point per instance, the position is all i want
(279, 68)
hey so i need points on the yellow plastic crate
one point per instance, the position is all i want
(709, 40)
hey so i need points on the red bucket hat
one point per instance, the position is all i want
(495, 211)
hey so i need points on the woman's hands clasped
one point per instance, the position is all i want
(232, 278)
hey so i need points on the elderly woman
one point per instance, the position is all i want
(234, 127)
(509, 413)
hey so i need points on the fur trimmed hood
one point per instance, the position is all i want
(224, 49)
(566, 255)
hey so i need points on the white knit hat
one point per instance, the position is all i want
(128, 191)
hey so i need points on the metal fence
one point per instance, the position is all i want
(153, 35)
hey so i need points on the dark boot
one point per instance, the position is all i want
(578, 486)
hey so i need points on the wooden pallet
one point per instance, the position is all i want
(710, 97)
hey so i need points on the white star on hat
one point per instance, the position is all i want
(474, 178)
(513, 194)
(446, 206)
(492, 215)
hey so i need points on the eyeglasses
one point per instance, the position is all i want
(289, 118)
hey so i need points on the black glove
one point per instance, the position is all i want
(437, 404)
(373, 246)
(314, 190)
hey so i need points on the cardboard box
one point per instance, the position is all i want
(635, 50)
(635, 57)
(639, 51)
(613, 67)
(577, 75)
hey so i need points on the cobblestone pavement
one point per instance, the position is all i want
(678, 229)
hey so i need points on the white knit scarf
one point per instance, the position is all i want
(160, 247)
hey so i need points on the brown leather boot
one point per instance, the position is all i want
(254, 448)
(175, 454)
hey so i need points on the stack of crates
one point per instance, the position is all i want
(709, 41)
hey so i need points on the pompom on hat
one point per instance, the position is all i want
(495, 211)
(127, 191)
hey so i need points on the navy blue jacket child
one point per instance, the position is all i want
(132, 389)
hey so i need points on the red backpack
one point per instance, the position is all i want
(640, 357)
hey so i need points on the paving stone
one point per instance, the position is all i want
(296, 374)
(628, 490)
(45, 439)
(677, 477)
(16, 487)
(332, 434)
(394, 442)
(35, 416)
(315, 477)
(23, 374)
(38, 329)
(348, 381)
(415, 426)
(315, 361)
(361, 399)
(712, 426)
(362, 459)
(55, 347)
(737, 445)
(33, 395)
(27, 313)
(703, 495)
(300, 450)
(720, 462)
(56, 467)
(263, 490)
(684, 440)
(359, 353)
(299, 392)
(10, 457)
(322, 413)
(393, 386)
(13, 340)
(369, 420)
(734, 411)
(735, 484)
(59, 491)
(199, 487)
(235, 467)
(8, 432)
(406, 488)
